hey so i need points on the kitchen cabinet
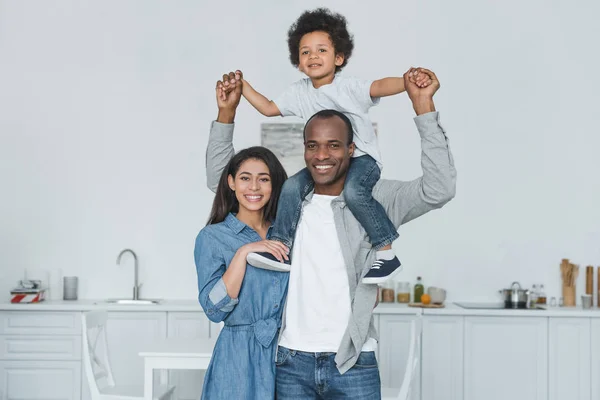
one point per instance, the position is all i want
(40, 355)
(595, 355)
(43, 380)
(128, 334)
(442, 358)
(469, 355)
(506, 357)
(569, 359)
(394, 341)
(188, 325)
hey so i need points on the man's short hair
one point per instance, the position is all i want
(326, 114)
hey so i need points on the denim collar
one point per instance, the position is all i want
(340, 199)
(236, 225)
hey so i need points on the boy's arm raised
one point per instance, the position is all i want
(263, 105)
(394, 85)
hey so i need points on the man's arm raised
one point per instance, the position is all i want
(220, 141)
(405, 201)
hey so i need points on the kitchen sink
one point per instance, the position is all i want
(129, 302)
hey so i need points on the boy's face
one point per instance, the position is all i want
(317, 55)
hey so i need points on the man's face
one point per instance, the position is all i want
(327, 154)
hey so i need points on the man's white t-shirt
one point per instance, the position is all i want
(348, 95)
(318, 302)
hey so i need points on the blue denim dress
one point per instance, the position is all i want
(243, 361)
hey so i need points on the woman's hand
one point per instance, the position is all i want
(278, 249)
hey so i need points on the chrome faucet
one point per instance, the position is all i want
(136, 286)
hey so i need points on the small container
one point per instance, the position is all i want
(542, 296)
(533, 296)
(403, 292)
(70, 287)
(586, 301)
(387, 292)
(569, 296)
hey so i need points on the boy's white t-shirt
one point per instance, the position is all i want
(347, 95)
(318, 301)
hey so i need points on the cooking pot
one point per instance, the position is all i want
(515, 297)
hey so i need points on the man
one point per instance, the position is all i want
(328, 338)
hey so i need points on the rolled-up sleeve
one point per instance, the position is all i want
(210, 267)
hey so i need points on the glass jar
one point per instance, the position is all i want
(403, 292)
(387, 292)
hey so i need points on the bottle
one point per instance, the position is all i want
(533, 297)
(418, 290)
(541, 296)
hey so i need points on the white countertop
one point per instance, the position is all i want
(382, 308)
(87, 305)
(453, 309)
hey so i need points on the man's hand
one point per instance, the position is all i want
(229, 92)
(421, 97)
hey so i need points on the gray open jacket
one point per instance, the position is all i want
(403, 201)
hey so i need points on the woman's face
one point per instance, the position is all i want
(252, 185)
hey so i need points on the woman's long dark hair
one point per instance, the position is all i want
(225, 200)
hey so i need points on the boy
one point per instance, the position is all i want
(320, 46)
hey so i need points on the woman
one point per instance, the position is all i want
(248, 299)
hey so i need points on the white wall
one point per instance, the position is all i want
(105, 108)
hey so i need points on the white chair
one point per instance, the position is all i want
(97, 366)
(414, 352)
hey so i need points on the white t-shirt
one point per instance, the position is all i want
(318, 302)
(348, 95)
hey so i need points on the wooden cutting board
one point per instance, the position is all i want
(426, 305)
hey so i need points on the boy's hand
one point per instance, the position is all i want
(420, 78)
(231, 82)
(421, 97)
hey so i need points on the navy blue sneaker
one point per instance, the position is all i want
(268, 261)
(382, 270)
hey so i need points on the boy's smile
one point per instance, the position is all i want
(318, 59)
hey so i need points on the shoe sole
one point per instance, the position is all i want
(260, 262)
(381, 279)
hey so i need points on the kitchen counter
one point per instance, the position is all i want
(87, 305)
(453, 309)
(165, 305)
(382, 308)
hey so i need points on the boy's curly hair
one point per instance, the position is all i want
(321, 19)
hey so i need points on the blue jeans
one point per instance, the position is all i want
(301, 375)
(362, 176)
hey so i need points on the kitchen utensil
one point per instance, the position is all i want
(70, 287)
(568, 293)
(589, 280)
(586, 301)
(515, 297)
(438, 295)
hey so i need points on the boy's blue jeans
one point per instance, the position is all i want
(362, 176)
(301, 375)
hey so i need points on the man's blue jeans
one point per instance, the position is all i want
(301, 375)
(362, 176)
